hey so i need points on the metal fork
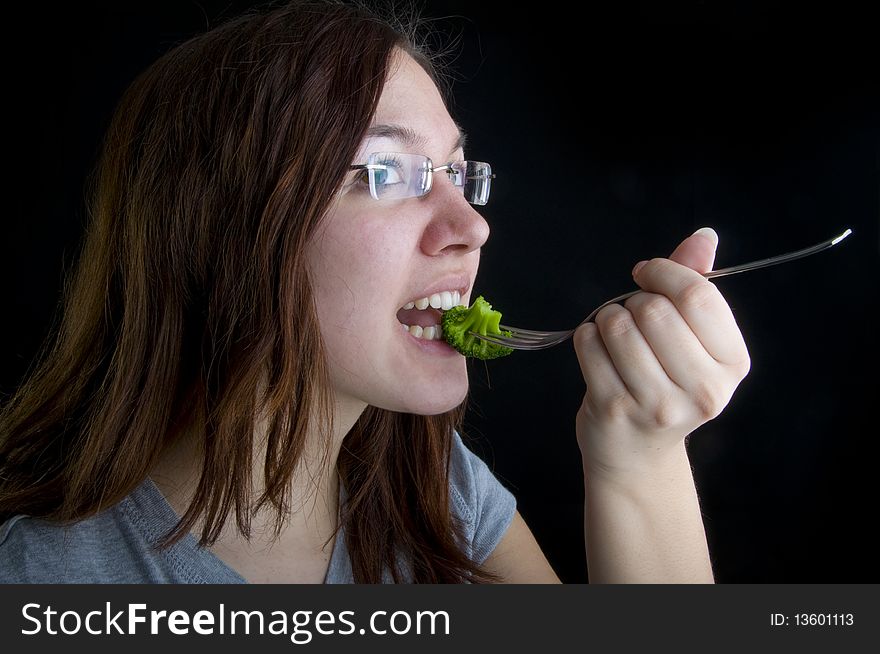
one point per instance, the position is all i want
(528, 339)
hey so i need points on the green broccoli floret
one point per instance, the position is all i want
(457, 322)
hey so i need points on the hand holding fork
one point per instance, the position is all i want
(662, 364)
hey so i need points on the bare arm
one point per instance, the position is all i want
(646, 528)
(518, 559)
(656, 369)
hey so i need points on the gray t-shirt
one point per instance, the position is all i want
(114, 545)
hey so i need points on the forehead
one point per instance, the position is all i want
(408, 84)
(411, 111)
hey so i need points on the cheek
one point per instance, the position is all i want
(358, 260)
(359, 278)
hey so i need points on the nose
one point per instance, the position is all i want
(455, 225)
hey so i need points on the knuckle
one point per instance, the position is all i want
(609, 408)
(708, 400)
(654, 308)
(666, 413)
(584, 334)
(739, 363)
(632, 302)
(743, 366)
(652, 267)
(615, 321)
(697, 295)
(616, 407)
(587, 339)
(604, 313)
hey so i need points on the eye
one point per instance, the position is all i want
(390, 173)
(362, 178)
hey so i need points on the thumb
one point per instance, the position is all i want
(697, 251)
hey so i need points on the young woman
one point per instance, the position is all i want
(238, 393)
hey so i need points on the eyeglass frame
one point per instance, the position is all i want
(431, 169)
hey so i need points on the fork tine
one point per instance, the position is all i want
(521, 343)
(529, 332)
(507, 341)
(531, 338)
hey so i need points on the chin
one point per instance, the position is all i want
(430, 405)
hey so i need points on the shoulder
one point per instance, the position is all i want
(113, 546)
(480, 501)
(500, 538)
(33, 550)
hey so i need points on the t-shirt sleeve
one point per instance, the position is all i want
(478, 498)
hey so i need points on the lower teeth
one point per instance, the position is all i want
(432, 333)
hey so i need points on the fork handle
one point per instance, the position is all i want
(782, 258)
(732, 270)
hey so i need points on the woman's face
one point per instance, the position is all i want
(371, 257)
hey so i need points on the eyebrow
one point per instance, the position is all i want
(410, 137)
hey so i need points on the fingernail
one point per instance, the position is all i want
(708, 232)
(639, 266)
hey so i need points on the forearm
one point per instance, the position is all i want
(645, 527)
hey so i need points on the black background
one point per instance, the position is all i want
(616, 130)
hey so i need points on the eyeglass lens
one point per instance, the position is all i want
(395, 175)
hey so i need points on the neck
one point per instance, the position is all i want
(314, 485)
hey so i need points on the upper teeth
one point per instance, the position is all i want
(444, 300)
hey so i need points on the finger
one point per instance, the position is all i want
(678, 350)
(697, 251)
(700, 304)
(604, 384)
(707, 383)
(632, 355)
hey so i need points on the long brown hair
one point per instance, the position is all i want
(190, 309)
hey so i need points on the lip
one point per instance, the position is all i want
(460, 282)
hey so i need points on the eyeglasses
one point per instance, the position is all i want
(395, 175)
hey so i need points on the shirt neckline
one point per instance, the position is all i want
(165, 517)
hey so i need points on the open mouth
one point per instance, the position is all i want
(421, 318)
